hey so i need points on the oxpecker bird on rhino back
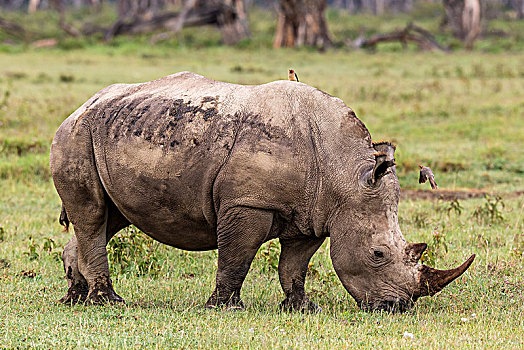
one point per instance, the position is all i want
(199, 164)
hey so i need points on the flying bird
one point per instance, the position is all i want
(292, 75)
(425, 175)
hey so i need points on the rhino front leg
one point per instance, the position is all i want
(240, 233)
(292, 269)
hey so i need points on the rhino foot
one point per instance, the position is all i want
(233, 303)
(76, 294)
(103, 293)
(103, 297)
(303, 305)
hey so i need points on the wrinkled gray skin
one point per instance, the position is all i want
(199, 165)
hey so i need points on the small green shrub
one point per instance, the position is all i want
(50, 247)
(269, 253)
(436, 249)
(318, 271)
(133, 252)
(452, 206)
(490, 212)
(42, 78)
(32, 247)
(34, 251)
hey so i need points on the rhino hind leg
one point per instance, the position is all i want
(92, 235)
(85, 260)
(240, 233)
(292, 269)
(78, 288)
(77, 285)
(88, 209)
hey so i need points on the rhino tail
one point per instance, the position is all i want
(63, 219)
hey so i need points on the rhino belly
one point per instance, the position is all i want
(165, 194)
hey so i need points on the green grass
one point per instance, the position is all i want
(462, 114)
(167, 310)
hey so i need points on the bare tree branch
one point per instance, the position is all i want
(133, 26)
(412, 33)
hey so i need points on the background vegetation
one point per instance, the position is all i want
(460, 113)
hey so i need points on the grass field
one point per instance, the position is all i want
(460, 113)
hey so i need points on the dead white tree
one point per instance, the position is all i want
(463, 16)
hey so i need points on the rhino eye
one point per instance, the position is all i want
(379, 256)
(378, 253)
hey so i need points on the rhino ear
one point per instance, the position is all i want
(385, 147)
(382, 164)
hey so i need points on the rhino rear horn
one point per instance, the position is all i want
(433, 281)
(414, 251)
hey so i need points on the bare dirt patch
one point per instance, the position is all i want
(450, 195)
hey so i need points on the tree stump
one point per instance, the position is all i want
(302, 22)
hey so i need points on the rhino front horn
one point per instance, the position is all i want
(433, 281)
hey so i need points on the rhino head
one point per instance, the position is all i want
(372, 259)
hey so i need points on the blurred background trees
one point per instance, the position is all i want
(297, 23)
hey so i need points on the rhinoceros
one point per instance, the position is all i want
(199, 164)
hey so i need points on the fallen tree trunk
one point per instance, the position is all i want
(208, 16)
(227, 18)
(412, 33)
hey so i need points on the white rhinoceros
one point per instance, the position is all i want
(200, 164)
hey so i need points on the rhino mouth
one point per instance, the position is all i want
(390, 306)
